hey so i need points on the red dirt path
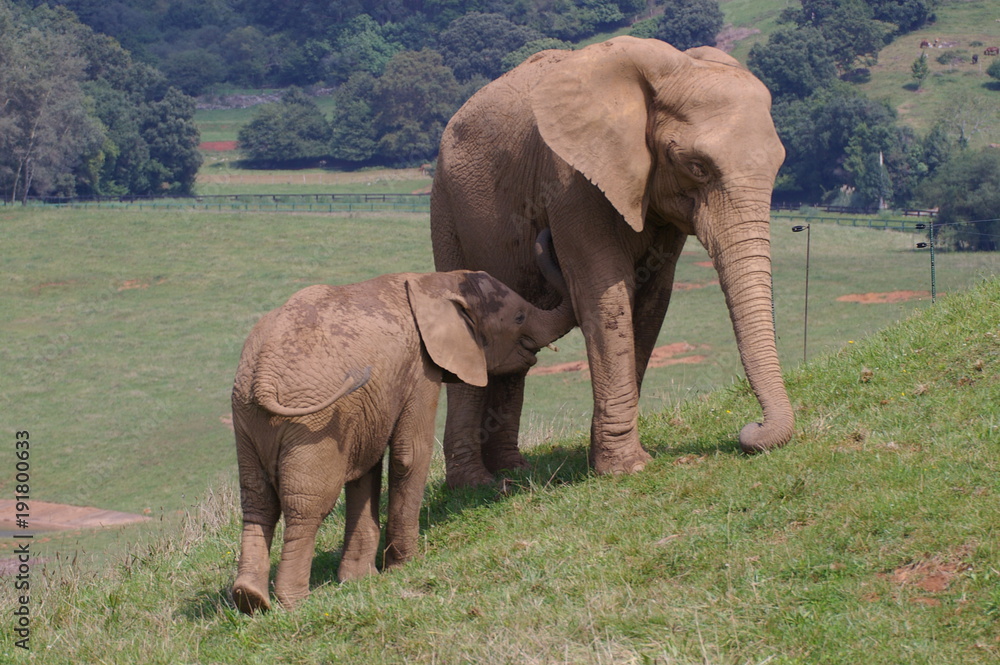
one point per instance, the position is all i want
(45, 516)
(663, 356)
(217, 146)
(887, 297)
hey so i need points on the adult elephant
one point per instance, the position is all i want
(622, 149)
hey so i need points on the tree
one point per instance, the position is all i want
(920, 69)
(476, 43)
(167, 126)
(352, 130)
(794, 62)
(689, 23)
(969, 114)
(249, 54)
(412, 102)
(993, 71)
(293, 129)
(832, 139)
(967, 191)
(194, 71)
(515, 58)
(906, 15)
(45, 131)
(361, 47)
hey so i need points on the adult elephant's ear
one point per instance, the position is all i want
(446, 326)
(592, 109)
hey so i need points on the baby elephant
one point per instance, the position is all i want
(336, 375)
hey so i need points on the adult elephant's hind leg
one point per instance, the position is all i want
(500, 424)
(654, 285)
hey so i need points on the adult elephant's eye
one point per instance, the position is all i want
(698, 170)
(519, 318)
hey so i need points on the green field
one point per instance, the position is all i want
(871, 538)
(124, 327)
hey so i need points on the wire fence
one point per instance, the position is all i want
(252, 202)
(364, 202)
(958, 267)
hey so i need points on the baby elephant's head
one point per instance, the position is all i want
(472, 324)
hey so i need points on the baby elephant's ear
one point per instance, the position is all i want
(445, 326)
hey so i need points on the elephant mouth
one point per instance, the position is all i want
(529, 350)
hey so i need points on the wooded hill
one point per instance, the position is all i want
(398, 70)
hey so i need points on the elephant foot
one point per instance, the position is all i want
(355, 569)
(473, 477)
(290, 600)
(620, 464)
(511, 458)
(250, 600)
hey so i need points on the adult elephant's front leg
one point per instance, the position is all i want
(500, 424)
(606, 321)
(463, 457)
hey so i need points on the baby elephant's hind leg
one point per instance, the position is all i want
(261, 511)
(362, 530)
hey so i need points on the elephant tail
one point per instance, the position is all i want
(266, 395)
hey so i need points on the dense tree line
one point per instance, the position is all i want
(79, 117)
(197, 43)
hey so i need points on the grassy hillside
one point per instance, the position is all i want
(956, 91)
(871, 538)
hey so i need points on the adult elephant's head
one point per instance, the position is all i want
(682, 138)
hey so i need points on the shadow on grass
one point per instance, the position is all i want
(561, 464)
(551, 466)
(206, 604)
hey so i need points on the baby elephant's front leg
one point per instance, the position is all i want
(409, 462)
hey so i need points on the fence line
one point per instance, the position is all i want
(364, 202)
(255, 202)
(857, 222)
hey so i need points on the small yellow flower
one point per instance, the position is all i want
(850, 341)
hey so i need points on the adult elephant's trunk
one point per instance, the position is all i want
(740, 249)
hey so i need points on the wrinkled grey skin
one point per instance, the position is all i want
(622, 150)
(337, 375)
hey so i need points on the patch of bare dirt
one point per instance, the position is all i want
(704, 264)
(727, 39)
(130, 284)
(51, 285)
(690, 286)
(217, 146)
(933, 574)
(886, 297)
(47, 516)
(662, 356)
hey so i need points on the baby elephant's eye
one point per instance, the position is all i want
(519, 319)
